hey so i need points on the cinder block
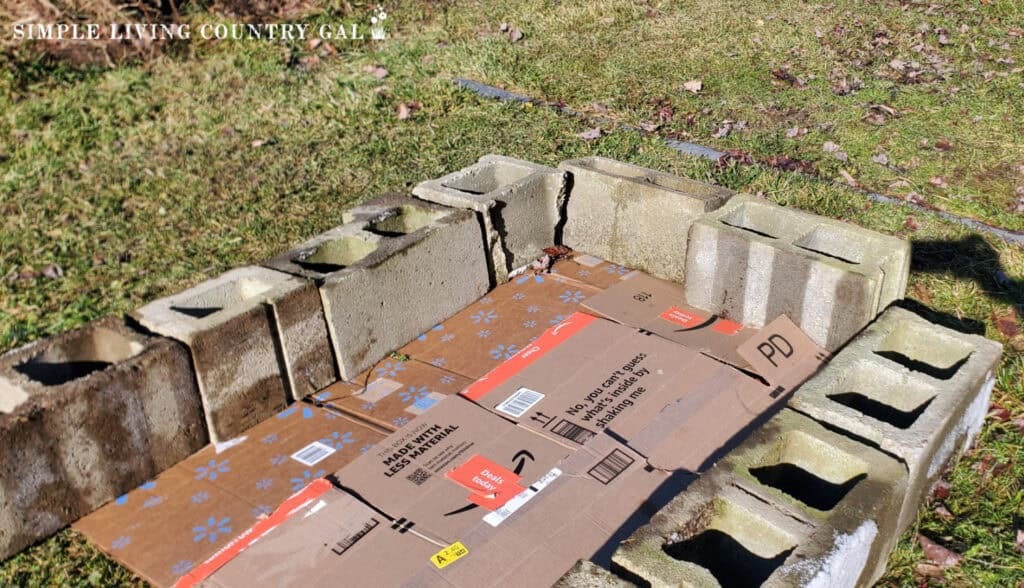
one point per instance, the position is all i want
(586, 574)
(831, 480)
(635, 216)
(518, 202)
(257, 337)
(752, 260)
(917, 390)
(84, 417)
(396, 268)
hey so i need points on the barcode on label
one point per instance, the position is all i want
(312, 453)
(572, 431)
(611, 466)
(342, 546)
(521, 401)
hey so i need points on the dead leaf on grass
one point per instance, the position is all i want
(376, 71)
(1018, 546)
(592, 134)
(406, 109)
(941, 490)
(796, 132)
(1008, 323)
(943, 513)
(938, 554)
(694, 86)
(515, 35)
(943, 145)
(849, 179)
(783, 75)
(880, 159)
(910, 224)
(938, 182)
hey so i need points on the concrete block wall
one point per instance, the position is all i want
(397, 267)
(917, 390)
(86, 416)
(634, 216)
(793, 505)
(257, 337)
(518, 203)
(752, 260)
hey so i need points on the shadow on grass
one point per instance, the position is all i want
(971, 258)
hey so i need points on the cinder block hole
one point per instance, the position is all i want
(883, 395)
(408, 220)
(336, 255)
(487, 177)
(922, 349)
(755, 219)
(810, 470)
(737, 547)
(217, 298)
(89, 351)
(834, 242)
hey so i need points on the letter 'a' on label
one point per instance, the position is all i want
(449, 554)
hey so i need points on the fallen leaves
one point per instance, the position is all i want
(1007, 322)
(849, 179)
(514, 34)
(592, 134)
(796, 132)
(782, 75)
(938, 182)
(786, 163)
(376, 71)
(727, 127)
(941, 490)
(835, 150)
(943, 145)
(1019, 202)
(1018, 546)
(939, 555)
(694, 86)
(910, 224)
(406, 109)
(880, 159)
(50, 271)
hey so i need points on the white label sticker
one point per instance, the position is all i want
(313, 453)
(519, 402)
(588, 260)
(516, 502)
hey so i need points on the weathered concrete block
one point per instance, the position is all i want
(831, 480)
(519, 204)
(586, 574)
(752, 260)
(84, 417)
(635, 216)
(917, 390)
(257, 337)
(396, 268)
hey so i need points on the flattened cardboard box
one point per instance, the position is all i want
(167, 526)
(593, 271)
(645, 302)
(393, 392)
(495, 327)
(319, 537)
(588, 376)
(410, 475)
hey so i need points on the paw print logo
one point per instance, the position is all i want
(181, 568)
(423, 336)
(413, 394)
(504, 352)
(558, 318)
(369, 405)
(389, 369)
(438, 362)
(121, 542)
(518, 296)
(447, 379)
(121, 500)
(532, 309)
(338, 440)
(529, 324)
(447, 337)
(400, 421)
(307, 412)
(483, 333)
(527, 277)
(483, 317)
(365, 448)
(211, 529)
(200, 497)
(486, 300)
(570, 296)
(267, 440)
(261, 511)
(212, 470)
(307, 477)
(278, 459)
(152, 501)
(616, 269)
(264, 483)
(583, 273)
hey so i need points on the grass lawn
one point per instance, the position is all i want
(141, 180)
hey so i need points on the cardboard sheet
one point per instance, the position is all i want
(169, 525)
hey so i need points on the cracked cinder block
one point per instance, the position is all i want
(831, 480)
(752, 260)
(586, 574)
(519, 204)
(396, 268)
(915, 389)
(258, 338)
(634, 216)
(86, 416)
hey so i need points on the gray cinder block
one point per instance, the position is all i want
(586, 574)
(917, 390)
(519, 204)
(752, 260)
(86, 416)
(257, 338)
(634, 216)
(396, 268)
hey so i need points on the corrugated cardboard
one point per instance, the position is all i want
(654, 305)
(405, 476)
(169, 525)
(590, 270)
(494, 328)
(319, 537)
(393, 392)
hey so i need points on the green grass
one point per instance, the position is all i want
(142, 180)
